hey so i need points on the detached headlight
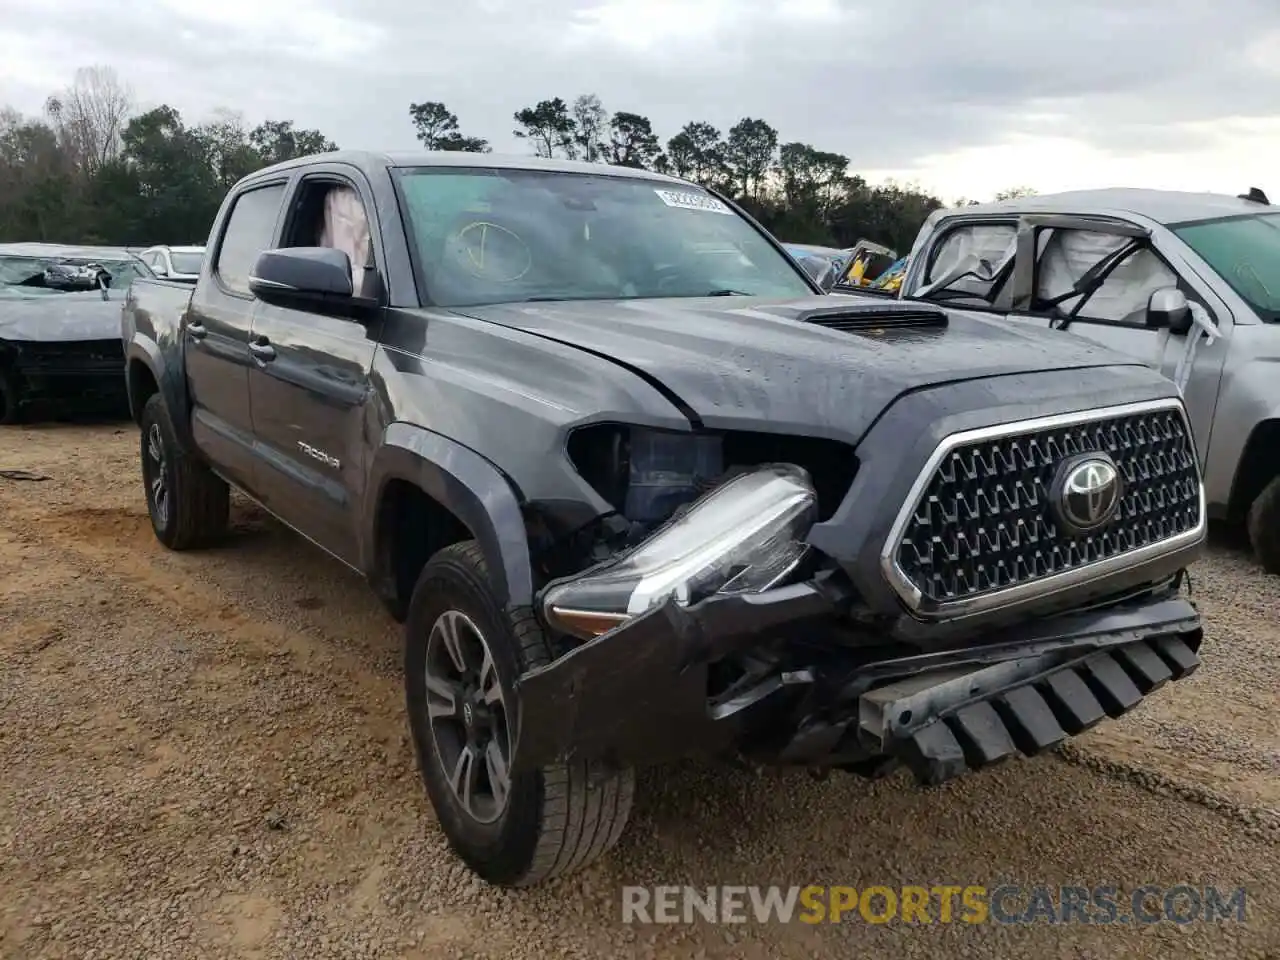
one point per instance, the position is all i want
(745, 536)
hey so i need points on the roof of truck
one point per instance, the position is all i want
(369, 160)
(1162, 206)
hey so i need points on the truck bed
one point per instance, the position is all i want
(154, 304)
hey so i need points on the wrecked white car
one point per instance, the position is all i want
(60, 327)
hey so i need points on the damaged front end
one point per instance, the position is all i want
(724, 631)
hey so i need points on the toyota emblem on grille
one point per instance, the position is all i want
(1087, 492)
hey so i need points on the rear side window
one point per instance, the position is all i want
(249, 231)
(986, 241)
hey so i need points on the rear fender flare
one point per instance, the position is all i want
(468, 486)
(170, 381)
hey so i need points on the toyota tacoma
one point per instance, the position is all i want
(639, 491)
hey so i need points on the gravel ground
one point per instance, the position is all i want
(204, 755)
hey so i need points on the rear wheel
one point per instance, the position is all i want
(1264, 526)
(463, 653)
(190, 505)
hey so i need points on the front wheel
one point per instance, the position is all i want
(1264, 527)
(463, 653)
(189, 505)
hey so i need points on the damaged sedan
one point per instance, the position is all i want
(635, 500)
(59, 327)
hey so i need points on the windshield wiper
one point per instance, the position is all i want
(550, 299)
(570, 299)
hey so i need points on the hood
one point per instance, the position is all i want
(735, 359)
(54, 316)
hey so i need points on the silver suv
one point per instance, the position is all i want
(1133, 269)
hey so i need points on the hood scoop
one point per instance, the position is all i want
(877, 318)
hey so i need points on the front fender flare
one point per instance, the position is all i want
(468, 486)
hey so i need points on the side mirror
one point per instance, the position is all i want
(291, 272)
(159, 270)
(1167, 308)
(309, 278)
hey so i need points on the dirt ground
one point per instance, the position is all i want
(205, 755)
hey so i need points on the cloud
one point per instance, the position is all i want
(896, 89)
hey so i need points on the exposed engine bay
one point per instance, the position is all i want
(75, 276)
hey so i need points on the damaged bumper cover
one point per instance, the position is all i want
(944, 723)
(638, 694)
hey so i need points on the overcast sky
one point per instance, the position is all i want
(964, 98)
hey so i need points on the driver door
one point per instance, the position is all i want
(309, 383)
(1093, 277)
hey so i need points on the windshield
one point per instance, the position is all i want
(186, 262)
(1245, 252)
(66, 274)
(502, 236)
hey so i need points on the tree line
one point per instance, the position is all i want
(96, 169)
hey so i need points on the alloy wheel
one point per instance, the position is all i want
(467, 716)
(158, 474)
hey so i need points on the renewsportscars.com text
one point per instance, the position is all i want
(1006, 904)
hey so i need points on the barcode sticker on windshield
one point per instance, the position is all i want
(687, 200)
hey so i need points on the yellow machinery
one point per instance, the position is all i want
(868, 262)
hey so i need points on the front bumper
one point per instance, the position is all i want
(639, 694)
(70, 370)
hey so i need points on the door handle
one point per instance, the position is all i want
(196, 330)
(261, 349)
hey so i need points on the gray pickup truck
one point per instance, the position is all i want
(639, 490)
(1092, 261)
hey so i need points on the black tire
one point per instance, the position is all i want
(192, 506)
(556, 819)
(1264, 527)
(10, 400)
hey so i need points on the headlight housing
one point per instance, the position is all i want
(745, 536)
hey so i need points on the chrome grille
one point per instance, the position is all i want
(979, 521)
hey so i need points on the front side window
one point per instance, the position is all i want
(502, 236)
(1068, 255)
(249, 231)
(1245, 253)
